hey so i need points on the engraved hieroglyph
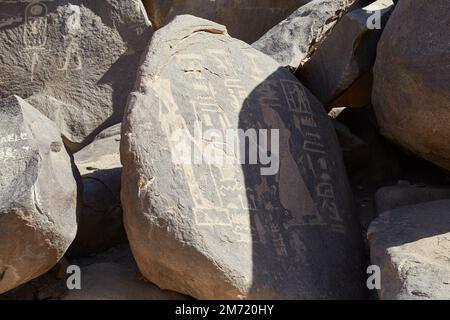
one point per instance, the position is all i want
(225, 229)
(75, 61)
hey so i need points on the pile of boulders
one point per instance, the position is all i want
(225, 149)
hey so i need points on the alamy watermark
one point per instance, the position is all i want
(232, 146)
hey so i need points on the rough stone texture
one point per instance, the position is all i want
(293, 40)
(411, 245)
(114, 276)
(411, 79)
(404, 193)
(100, 223)
(75, 61)
(38, 194)
(346, 53)
(225, 231)
(245, 19)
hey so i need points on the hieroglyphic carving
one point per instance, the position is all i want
(13, 146)
(35, 32)
(224, 203)
(72, 35)
(314, 157)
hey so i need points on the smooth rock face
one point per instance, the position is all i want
(100, 217)
(75, 61)
(293, 40)
(211, 227)
(245, 19)
(404, 193)
(346, 53)
(411, 245)
(38, 194)
(411, 79)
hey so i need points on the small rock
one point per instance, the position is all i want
(411, 245)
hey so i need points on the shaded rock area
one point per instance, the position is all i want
(100, 216)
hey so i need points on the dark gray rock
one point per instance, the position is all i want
(411, 79)
(347, 53)
(411, 245)
(75, 61)
(223, 228)
(100, 217)
(38, 194)
(293, 41)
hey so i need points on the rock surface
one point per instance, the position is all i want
(404, 193)
(38, 194)
(75, 61)
(411, 245)
(113, 275)
(100, 223)
(216, 228)
(293, 40)
(346, 54)
(411, 76)
(245, 19)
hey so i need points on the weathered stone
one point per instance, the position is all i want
(247, 20)
(411, 245)
(404, 193)
(347, 53)
(358, 95)
(75, 61)
(411, 79)
(293, 40)
(217, 226)
(114, 276)
(100, 217)
(38, 194)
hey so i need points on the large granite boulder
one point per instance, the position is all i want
(214, 212)
(411, 245)
(245, 19)
(294, 40)
(38, 194)
(75, 61)
(100, 216)
(411, 79)
(346, 54)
